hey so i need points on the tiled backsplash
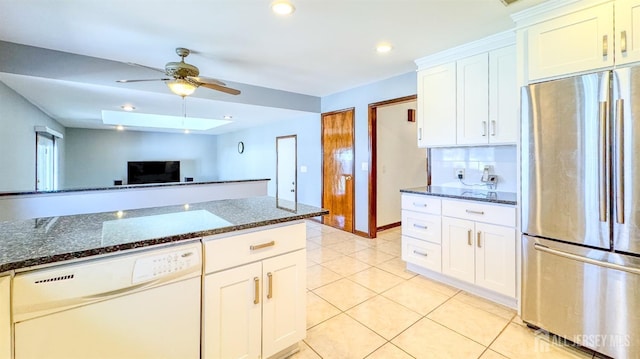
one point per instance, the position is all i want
(502, 159)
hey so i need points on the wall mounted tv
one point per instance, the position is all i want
(139, 172)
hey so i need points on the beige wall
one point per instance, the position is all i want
(401, 164)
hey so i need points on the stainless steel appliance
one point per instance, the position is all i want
(581, 209)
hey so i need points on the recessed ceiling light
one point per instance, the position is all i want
(128, 108)
(282, 7)
(227, 117)
(383, 48)
(186, 132)
(120, 128)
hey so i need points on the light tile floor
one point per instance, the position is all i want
(363, 303)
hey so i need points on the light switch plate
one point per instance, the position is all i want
(365, 166)
(303, 169)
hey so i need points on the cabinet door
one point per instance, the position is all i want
(437, 106)
(472, 100)
(231, 317)
(503, 96)
(5, 318)
(627, 31)
(284, 302)
(458, 248)
(580, 41)
(496, 258)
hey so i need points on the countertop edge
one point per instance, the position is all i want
(32, 262)
(124, 187)
(467, 198)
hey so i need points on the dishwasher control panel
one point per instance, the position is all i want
(154, 267)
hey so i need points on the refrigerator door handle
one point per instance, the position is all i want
(542, 248)
(620, 161)
(602, 161)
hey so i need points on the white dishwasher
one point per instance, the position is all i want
(140, 305)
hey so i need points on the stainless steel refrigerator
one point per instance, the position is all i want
(581, 210)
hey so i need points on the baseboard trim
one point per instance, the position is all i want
(361, 234)
(389, 226)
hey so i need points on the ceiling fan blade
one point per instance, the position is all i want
(146, 67)
(208, 80)
(126, 81)
(225, 89)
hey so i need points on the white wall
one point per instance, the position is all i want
(503, 159)
(96, 158)
(259, 157)
(360, 98)
(18, 141)
(400, 163)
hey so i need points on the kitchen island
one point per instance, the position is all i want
(188, 265)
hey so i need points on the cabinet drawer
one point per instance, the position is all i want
(418, 203)
(480, 212)
(422, 226)
(421, 253)
(228, 251)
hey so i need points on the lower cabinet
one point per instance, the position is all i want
(480, 253)
(255, 310)
(5, 317)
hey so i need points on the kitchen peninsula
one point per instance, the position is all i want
(150, 249)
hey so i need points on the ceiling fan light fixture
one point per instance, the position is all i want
(181, 87)
(282, 7)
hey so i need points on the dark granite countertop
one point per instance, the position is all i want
(463, 193)
(34, 242)
(111, 188)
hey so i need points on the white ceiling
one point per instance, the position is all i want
(325, 47)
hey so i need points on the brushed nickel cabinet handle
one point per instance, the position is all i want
(256, 293)
(420, 253)
(474, 212)
(484, 128)
(270, 291)
(623, 41)
(263, 245)
(420, 226)
(479, 235)
(416, 204)
(420, 134)
(493, 127)
(469, 240)
(605, 45)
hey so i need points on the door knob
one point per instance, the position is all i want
(347, 177)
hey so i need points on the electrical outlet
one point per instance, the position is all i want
(460, 173)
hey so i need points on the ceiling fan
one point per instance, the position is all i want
(182, 78)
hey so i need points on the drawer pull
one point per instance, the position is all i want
(256, 293)
(270, 291)
(420, 226)
(469, 240)
(263, 245)
(474, 212)
(420, 253)
(479, 239)
(419, 204)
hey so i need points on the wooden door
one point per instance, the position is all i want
(338, 168)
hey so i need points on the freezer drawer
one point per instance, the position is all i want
(587, 296)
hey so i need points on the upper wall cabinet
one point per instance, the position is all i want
(470, 101)
(566, 37)
(627, 17)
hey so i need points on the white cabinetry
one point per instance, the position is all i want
(5, 317)
(421, 234)
(479, 245)
(472, 100)
(437, 106)
(468, 244)
(254, 301)
(579, 37)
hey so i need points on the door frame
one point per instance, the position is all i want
(295, 172)
(373, 158)
(353, 169)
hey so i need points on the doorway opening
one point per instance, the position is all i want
(378, 175)
(46, 162)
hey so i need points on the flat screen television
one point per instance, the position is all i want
(139, 172)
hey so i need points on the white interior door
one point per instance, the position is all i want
(45, 163)
(286, 181)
